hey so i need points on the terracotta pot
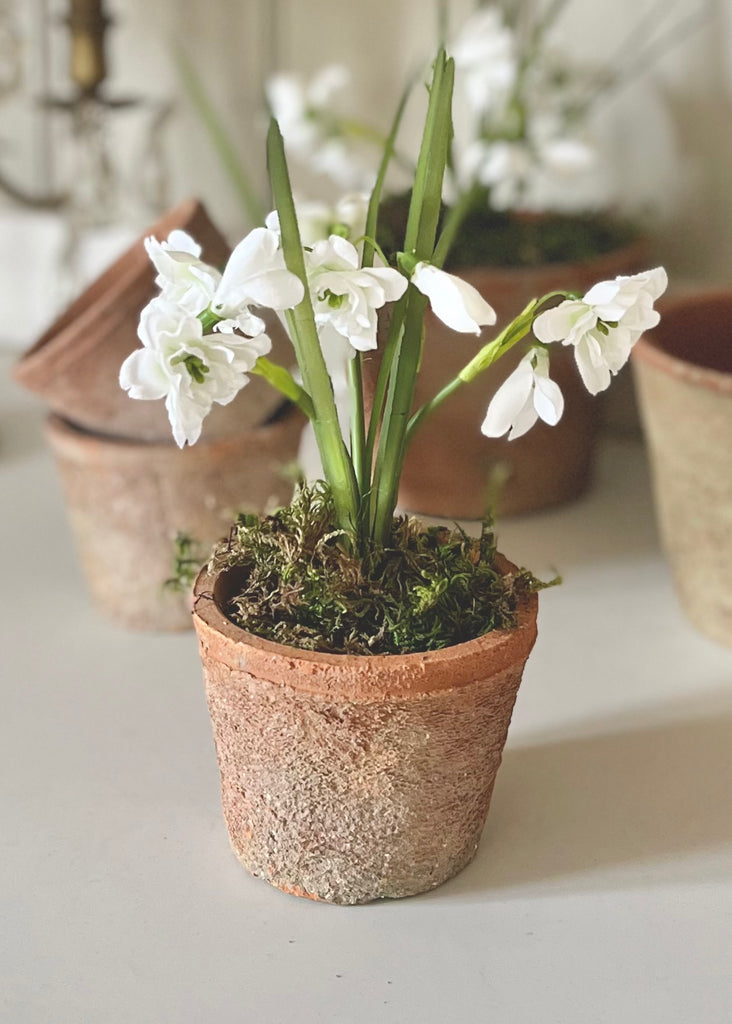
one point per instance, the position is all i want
(450, 464)
(75, 365)
(128, 500)
(351, 778)
(683, 372)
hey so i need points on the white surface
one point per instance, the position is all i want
(602, 891)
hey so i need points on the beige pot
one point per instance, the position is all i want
(128, 500)
(75, 365)
(450, 464)
(683, 372)
(351, 778)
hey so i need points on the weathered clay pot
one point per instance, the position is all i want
(75, 365)
(683, 372)
(450, 464)
(351, 778)
(128, 500)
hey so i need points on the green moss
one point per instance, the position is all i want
(503, 239)
(429, 588)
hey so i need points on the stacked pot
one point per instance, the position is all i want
(129, 489)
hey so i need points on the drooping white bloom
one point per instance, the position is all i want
(527, 395)
(318, 220)
(345, 296)
(503, 166)
(604, 324)
(187, 368)
(454, 301)
(255, 275)
(183, 277)
(485, 59)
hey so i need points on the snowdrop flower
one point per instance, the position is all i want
(502, 166)
(317, 220)
(255, 275)
(345, 296)
(527, 395)
(485, 59)
(604, 325)
(296, 106)
(453, 300)
(182, 276)
(187, 368)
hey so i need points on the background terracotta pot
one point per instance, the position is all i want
(128, 500)
(450, 464)
(75, 365)
(683, 372)
(349, 778)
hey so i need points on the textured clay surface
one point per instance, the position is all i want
(75, 365)
(687, 414)
(450, 463)
(126, 502)
(349, 779)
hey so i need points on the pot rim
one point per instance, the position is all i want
(650, 347)
(74, 437)
(358, 677)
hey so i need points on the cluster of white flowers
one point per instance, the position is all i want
(524, 140)
(193, 367)
(601, 327)
(307, 113)
(181, 362)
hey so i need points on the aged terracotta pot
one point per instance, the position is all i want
(683, 372)
(128, 500)
(450, 464)
(75, 365)
(351, 778)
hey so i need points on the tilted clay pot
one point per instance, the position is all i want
(683, 372)
(75, 365)
(128, 500)
(351, 778)
(450, 465)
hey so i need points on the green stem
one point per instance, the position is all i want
(337, 466)
(283, 381)
(453, 222)
(424, 213)
(358, 424)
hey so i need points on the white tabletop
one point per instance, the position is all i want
(602, 891)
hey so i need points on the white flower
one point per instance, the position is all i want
(255, 275)
(453, 300)
(345, 296)
(503, 166)
(318, 220)
(604, 325)
(182, 277)
(526, 395)
(187, 368)
(485, 59)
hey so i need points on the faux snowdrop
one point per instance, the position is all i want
(453, 300)
(604, 324)
(346, 296)
(255, 275)
(485, 59)
(183, 278)
(189, 369)
(527, 395)
(318, 220)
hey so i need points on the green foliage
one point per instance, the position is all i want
(488, 238)
(298, 584)
(188, 557)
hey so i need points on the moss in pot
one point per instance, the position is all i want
(361, 670)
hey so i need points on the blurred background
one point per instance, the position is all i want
(98, 133)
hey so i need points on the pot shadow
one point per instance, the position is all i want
(639, 794)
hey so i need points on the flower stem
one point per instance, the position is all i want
(337, 465)
(424, 213)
